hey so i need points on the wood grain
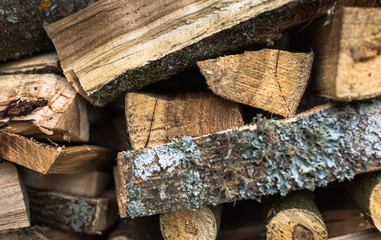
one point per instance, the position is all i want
(369, 234)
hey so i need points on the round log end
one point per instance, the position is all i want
(375, 206)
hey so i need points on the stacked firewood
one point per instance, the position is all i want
(140, 120)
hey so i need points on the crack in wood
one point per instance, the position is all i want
(276, 79)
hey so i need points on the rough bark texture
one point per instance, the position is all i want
(312, 149)
(365, 192)
(14, 209)
(100, 82)
(22, 24)
(144, 228)
(369, 234)
(269, 79)
(294, 217)
(79, 214)
(30, 233)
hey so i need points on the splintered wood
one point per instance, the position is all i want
(14, 205)
(272, 80)
(162, 38)
(348, 54)
(310, 150)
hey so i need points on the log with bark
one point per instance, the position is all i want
(102, 60)
(369, 234)
(312, 149)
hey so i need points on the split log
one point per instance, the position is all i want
(144, 228)
(44, 106)
(294, 217)
(78, 214)
(22, 24)
(154, 119)
(89, 184)
(102, 60)
(347, 49)
(363, 3)
(190, 224)
(48, 159)
(369, 234)
(365, 192)
(14, 206)
(30, 233)
(320, 146)
(269, 79)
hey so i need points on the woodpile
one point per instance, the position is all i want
(190, 119)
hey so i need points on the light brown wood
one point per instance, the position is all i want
(369, 234)
(43, 106)
(79, 214)
(294, 217)
(46, 158)
(14, 210)
(348, 55)
(89, 184)
(43, 63)
(115, 46)
(270, 79)
(154, 119)
(197, 224)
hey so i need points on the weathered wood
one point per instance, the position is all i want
(30, 233)
(46, 158)
(190, 224)
(294, 217)
(347, 49)
(22, 24)
(312, 149)
(143, 228)
(270, 79)
(59, 234)
(89, 184)
(369, 234)
(154, 119)
(102, 59)
(14, 209)
(79, 214)
(365, 192)
(362, 3)
(44, 106)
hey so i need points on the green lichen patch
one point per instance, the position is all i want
(80, 213)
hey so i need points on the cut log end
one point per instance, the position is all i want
(375, 205)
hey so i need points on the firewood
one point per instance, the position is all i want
(312, 149)
(136, 229)
(269, 79)
(14, 207)
(365, 192)
(294, 217)
(44, 106)
(22, 24)
(102, 59)
(347, 49)
(363, 3)
(30, 233)
(68, 212)
(89, 184)
(155, 119)
(369, 234)
(48, 159)
(190, 224)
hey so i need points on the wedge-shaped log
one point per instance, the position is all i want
(312, 149)
(14, 205)
(348, 53)
(162, 38)
(89, 184)
(154, 119)
(270, 79)
(294, 217)
(43, 106)
(22, 24)
(46, 158)
(365, 192)
(79, 214)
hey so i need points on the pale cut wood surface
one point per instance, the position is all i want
(43, 106)
(270, 79)
(14, 209)
(160, 38)
(79, 214)
(369, 234)
(323, 145)
(43, 63)
(46, 158)
(348, 54)
(154, 119)
(89, 184)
